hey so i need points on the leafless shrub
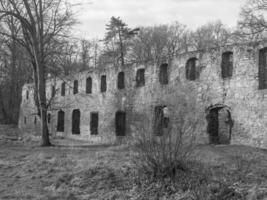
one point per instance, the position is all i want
(166, 148)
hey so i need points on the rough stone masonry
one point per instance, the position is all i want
(102, 105)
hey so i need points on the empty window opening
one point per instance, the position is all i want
(60, 121)
(120, 120)
(163, 74)
(191, 71)
(103, 87)
(263, 68)
(27, 94)
(166, 118)
(53, 91)
(94, 123)
(76, 115)
(161, 119)
(140, 77)
(227, 64)
(89, 85)
(120, 82)
(219, 125)
(75, 87)
(63, 88)
(48, 118)
(25, 120)
(35, 120)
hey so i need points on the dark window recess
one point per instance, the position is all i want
(75, 87)
(53, 91)
(60, 121)
(63, 88)
(94, 124)
(35, 120)
(120, 119)
(48, 118)
(103, 87)
(120, 82)
(227, 64)
(76, 121)
(160, 121)
(25, 120)
(263, 68)
(27, 94)
(89, 85)
(191, 71)
(140, 77)
(163, 74)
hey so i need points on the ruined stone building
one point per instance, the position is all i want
(230, 86)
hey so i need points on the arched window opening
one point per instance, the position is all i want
(227, 64)
(94, 123)
(140, 77)
(63, 88)
(53, 91)
(191, 70)
(75, 87)
(120, 82)
(103, 87)
(76, 115)
(89, 85)
(60, 121)
(163, 74)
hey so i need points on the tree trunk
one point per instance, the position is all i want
(42, 102)
(39, 73)
(2, 106)
(36, 97)
(11, 103)
(42, 82)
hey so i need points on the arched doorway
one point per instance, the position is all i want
(220, 124)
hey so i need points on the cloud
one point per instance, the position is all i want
(192, 13)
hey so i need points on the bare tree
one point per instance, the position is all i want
(14, 71)
(158, 44)
(253, 22)
(41, 22)
(210, 35)
(67, 60)
(89, 51)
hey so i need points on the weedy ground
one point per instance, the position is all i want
(79, 171)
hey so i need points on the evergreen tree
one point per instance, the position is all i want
(117, 39)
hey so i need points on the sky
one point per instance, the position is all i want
(93, 15)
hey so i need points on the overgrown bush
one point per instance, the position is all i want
(167, 146)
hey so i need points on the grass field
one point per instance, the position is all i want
(78, 171)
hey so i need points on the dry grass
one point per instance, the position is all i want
(30, 172)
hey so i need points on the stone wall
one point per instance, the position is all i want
(240, 93)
